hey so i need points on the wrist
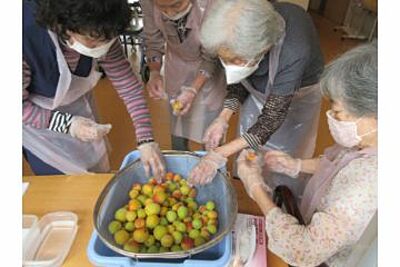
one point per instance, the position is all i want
(154, 73)
(262, 195)
(226, 114)
(190, 89)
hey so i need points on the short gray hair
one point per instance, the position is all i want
(352, 79)
(245, 27)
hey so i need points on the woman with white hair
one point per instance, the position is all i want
(272, 60)
(340, 199)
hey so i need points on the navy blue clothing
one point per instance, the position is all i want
(301, 62)
(38, 166)
(39, 53)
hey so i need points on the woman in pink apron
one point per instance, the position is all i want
(273, 80)
(339, 204)
(191, 76)
(64, 43)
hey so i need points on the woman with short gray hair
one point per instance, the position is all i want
(272, 61)
(339, 204)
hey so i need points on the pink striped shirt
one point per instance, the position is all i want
(119, 71)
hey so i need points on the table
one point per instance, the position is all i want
(79, 194)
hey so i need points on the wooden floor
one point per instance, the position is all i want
(122, 136)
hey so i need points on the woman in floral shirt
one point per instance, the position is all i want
(340, 198)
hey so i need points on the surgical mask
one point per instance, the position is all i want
(179, 15)
(235, 74)
(345, 132)
(96, 52)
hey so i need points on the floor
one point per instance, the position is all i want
(122, 136)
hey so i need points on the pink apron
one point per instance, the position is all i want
(62, 151)
(182, 61)
(334, 159)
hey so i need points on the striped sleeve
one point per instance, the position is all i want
(37, 116)
(130, 89)
(32, 114)
(236, 96)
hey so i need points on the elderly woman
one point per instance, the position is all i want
(192, 80)
(341, 197)
(272, 61)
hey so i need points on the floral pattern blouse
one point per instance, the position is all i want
(336, 226)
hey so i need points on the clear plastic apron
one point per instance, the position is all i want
(62, 151)
(182, 61)
(298, 133)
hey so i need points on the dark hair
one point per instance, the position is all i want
(96, 18)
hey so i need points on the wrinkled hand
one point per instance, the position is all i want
(87, 130)
(153, 160)
(155, 86)
(281, 162)
(250, 173)
(185, 100)
(206, 170)
(214, 133)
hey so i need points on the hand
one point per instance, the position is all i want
(250, 172)
(155, 86)
(153, 160)
(279, 161)
(206, 170)
(184, 100)
(214, 133)
(87, 130)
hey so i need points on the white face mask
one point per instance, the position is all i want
(235, 74)
(345, 132)
(91, 52)
(179, 15)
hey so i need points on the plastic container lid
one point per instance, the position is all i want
(48, 241)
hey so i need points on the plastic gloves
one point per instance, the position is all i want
(214, 133)
(153, 160)
(250, 173)
(281, 162)
(182, 104)
(87, 130)
(155, 86)
(207, 168)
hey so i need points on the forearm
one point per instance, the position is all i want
(309, 165)
(199, 81)
(232, 147)
(130, 90)
(272, 116)
(263, 199)
(154, 66)
(236, 96)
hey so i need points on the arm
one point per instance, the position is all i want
(37, 116)
(153, 38)
(268, 122)
(337, 226)
(130, 89)
(309, 165)
(205, 71)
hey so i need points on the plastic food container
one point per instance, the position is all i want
(102, 250)
(47, 242)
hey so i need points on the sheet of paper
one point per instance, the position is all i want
(24, 187)
(257, 247)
